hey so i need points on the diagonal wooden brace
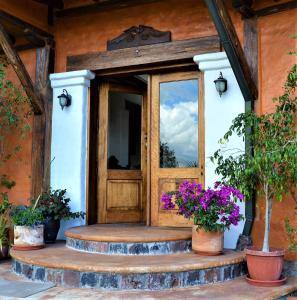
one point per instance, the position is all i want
(19, 68)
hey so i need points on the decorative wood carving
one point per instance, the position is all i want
(139, 36)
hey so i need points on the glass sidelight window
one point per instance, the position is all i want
(124, 131)
(179, 124)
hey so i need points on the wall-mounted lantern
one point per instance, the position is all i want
(64, 99)
(221, 84)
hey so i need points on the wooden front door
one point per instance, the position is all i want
(177, 139)
(122, 154)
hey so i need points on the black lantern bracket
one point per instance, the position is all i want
(64, 99)
(221, 84)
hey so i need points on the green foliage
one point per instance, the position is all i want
(26, 216)
(4, 238)
(269, 165)
(4, 209)
(292, 235)
(54, 204)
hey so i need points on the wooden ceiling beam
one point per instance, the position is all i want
(59, 4)
(100, 6)
(28, 29)
(244, 7)
(232, 46)
(276, 8)
(19, 68)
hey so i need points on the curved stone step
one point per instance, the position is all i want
(129, 239)
(65, 267)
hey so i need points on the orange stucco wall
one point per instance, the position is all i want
(18, 168)
(185, 19)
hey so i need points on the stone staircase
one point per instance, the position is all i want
(127, 258)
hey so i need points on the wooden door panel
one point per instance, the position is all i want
(121, 192)
(123, 195)
(167, 178)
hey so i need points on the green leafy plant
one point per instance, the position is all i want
(55, 205)
(292, 235)
(4, 237)
(269, 164)
(5, 206)
(26, 216)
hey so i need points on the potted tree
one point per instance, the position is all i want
(269, 167)
(54, 206)
(212, 210)
(28, 227)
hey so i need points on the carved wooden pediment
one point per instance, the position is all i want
(139, 36)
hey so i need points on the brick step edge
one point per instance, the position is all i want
(139, 248)
(139, 281)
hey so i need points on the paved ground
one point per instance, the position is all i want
(232, 290)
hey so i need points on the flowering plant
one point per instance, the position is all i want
(54, 205)
(212, 209)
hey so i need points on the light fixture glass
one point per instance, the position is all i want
(221, 84)
(64, 99)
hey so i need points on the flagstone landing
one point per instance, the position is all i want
(67, 267)
(236, 289)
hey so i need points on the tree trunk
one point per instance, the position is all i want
(268, 213)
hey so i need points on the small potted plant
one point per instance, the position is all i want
(212, 210)
(28, 227)
(268, 166)
(54, 206)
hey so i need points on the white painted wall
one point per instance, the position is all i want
(69, 140)
(219, 112)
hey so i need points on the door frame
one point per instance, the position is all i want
(93, 130)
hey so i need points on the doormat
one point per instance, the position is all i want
(21, 289)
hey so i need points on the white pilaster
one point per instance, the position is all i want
(69, 140)
(219, 113)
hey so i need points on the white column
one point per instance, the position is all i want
(219, 113)
(69, 140)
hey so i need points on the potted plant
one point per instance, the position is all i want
(268, 166)
(28, 227)
(54, 206)
(4, 227)
(212, 210)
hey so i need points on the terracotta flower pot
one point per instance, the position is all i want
(28, 238)
(265, 266)
(207, 242)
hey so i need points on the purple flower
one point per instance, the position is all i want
(213, 209)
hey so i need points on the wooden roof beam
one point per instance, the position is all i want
(244, 7)
(19, 68)
(276, 8)
(100, 6)
(33, 34)
(234, 51)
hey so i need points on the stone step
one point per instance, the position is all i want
(129, 239)
(66, 267)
